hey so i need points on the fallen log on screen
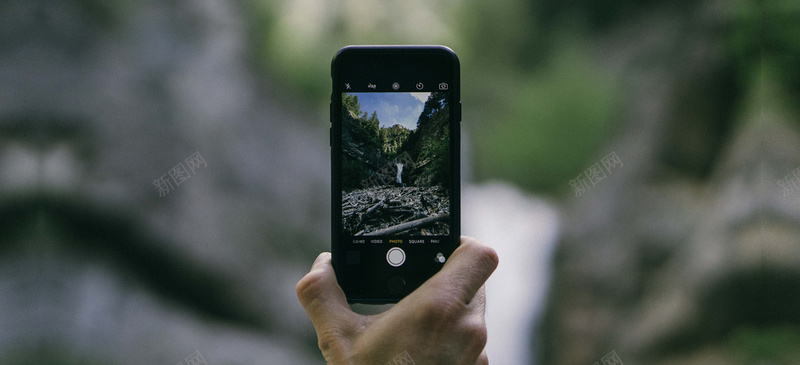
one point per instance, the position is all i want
(409, 225)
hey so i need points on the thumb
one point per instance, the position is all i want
(322, 298)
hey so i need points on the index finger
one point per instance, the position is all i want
(322, 298)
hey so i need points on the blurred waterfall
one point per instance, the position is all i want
(523, 230)
(399, 173)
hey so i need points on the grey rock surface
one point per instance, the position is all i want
(691, 243)
(98, 265)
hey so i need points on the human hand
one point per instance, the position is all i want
(441, 322)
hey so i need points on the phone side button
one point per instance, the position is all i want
(396, 285)
(330, 136)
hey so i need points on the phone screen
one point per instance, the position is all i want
(396, 166)
(396, 185)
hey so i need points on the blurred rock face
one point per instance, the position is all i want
(154, 200)
(689, 253)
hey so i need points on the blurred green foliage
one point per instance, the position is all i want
(105, 12)
(549, 123)
(759, 345)
(532, 122)
(763, 41)
(538, 106)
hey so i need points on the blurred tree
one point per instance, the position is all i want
(762, 42)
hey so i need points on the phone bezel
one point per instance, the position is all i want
(383, 64)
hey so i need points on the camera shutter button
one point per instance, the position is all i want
(396, 256)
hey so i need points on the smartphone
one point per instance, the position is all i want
(395, 158)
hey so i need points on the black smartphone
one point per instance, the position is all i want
(395, 157)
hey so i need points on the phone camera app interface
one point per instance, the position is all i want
(395, 164)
